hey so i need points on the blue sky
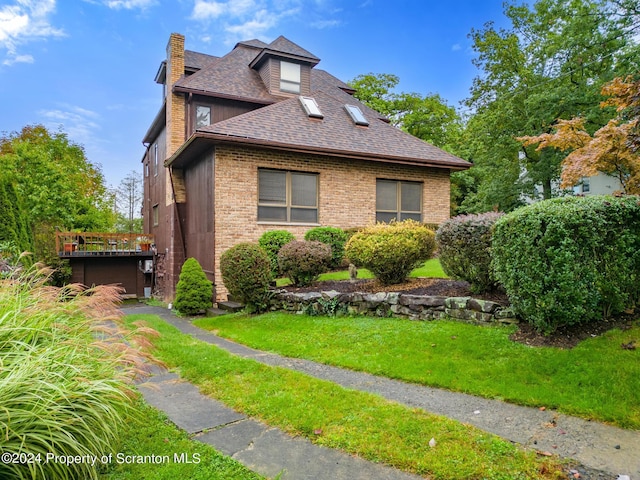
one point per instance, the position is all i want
(87, 66)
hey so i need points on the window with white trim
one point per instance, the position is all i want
(398, 200)
(288, 197)
(289, 77)
(203, 115)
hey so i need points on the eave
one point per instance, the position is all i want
(200, 142)
(157, 125)
(207, 93)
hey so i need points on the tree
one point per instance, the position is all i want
(549, 65)
(428, 117)
(610, 150)
(56, 184)
(128, 199)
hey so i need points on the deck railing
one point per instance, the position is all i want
(99, 243)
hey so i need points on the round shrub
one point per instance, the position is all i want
(392, 250)
(332, 236)
(569, 260)
(246, 272)
(193, 291)
(302, 262)
(272, 241)
(464, 249)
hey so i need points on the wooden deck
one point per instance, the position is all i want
(95, 244)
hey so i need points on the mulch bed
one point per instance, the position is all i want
(567, 337)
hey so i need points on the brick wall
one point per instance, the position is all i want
(347, 191)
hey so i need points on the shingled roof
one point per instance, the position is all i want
(283, 122)
(286, 126)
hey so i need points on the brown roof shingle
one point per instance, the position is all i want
(286, 125)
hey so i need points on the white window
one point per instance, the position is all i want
(290, 197)
(356, 115)
(289, 77)
(397, 200)
(203, 116)
(311, 107)
(155, 159)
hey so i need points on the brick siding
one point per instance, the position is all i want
(347, 194)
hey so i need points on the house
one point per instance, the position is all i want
(262, 139)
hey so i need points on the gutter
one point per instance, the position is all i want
(234, 140)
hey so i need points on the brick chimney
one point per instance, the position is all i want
(175, 103)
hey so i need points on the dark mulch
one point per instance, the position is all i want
(567, 337)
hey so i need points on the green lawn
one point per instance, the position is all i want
(597, 379)
(431, 268)
(158, 437)
(357, 422)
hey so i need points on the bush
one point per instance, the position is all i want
(569, 260)
(66, 382)
(302, 262)
(392, 250)
(193, 291)
(272, 241)
(464, 249)
(246, 272)
(332, 236)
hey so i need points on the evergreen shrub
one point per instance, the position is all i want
(193, 291)
(302, 262)
(569, 260)
(246, 272)
(332, 236)
(272, 241)
(391, 251)
(464, 249)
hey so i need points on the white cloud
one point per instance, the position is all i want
(246, 19)
(456, 47)
(125, 4)
(79, 123)
(23, 22)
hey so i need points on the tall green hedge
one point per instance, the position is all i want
(569, 260)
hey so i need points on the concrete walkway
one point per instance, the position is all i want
(605, 452)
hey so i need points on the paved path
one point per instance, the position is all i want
(610, 450)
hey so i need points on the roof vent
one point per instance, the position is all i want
(311, 107)
(356, 115)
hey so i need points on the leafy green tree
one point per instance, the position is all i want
(428, 117)
(56, 183)
(550, 64)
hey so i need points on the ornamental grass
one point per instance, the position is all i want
(66, 370)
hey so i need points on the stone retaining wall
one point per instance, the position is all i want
(392, 304)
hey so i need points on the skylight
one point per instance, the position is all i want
(311, 107)
(356, 115)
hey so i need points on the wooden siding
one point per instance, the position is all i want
(199, 213)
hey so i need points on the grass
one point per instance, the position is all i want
(158, 437)
(596, 380)
(431, 268)
(357, 422)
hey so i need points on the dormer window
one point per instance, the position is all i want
(289, 77)
(203, 116)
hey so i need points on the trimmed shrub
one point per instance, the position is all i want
(272, 241)
(193, 291)
(332, 236)
(391, 251)
(464, 249)
(246, 272)
(302, 262)
(569, 260)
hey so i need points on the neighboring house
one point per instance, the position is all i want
(260, 139)
(600, 184)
